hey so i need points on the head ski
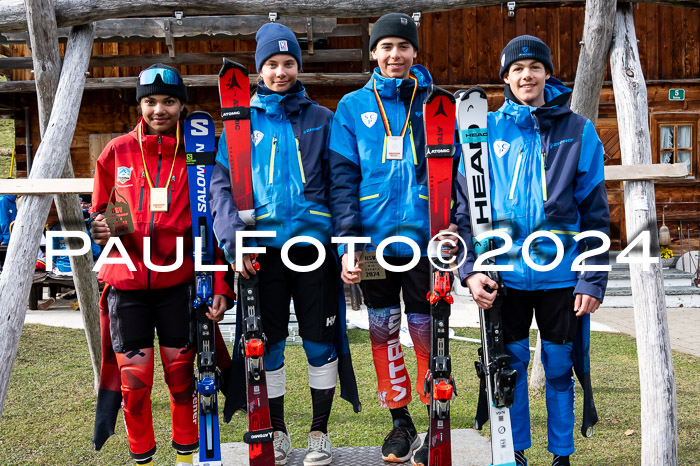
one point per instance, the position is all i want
(497, 378)
(439, 119)
(200, 149)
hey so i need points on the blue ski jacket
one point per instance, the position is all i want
(289, 165)
(546, 173)
(370, 195)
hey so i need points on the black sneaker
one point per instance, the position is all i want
(560, 460)
(400, 443)
(420, 456)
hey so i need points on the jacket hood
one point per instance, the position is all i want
(388, 87)
(277, 105)
(556, 96)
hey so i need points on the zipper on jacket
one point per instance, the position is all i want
(152, 227)
(543, 155)
(143, 183)
(544, 177)
(301, 166)
(272, 158)
(413, 143)
(515, 174)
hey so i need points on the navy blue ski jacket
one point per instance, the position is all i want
(546, 173)
(289, 164)
(370, 195)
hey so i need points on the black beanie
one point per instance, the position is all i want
(525, 47)
(159, 87)
(394, 25)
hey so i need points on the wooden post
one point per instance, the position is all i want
(656, 377)
(597, 37)
(49, 162)
(41, 20)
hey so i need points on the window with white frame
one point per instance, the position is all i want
(676, 144)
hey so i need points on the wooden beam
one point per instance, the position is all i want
(597, 37)
(208, 58)
(41, 186)
(199, 27)
(656, 377)
(33, 210)
(656, 171)
(47, 63)
(72, 12)
(325, 79)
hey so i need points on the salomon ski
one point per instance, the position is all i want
(199, 146)
(497, 386)
(439, 119)
(234, 91)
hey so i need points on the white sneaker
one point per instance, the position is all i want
(282, 446)
(318, 452)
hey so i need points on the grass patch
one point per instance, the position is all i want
(48, 415)
(7, 144)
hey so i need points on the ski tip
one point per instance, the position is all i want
(436, 91)
(229, 64)
(463, 94)
(198, 113)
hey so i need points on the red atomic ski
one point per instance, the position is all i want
(439, 118)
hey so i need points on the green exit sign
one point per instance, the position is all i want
(676, 94)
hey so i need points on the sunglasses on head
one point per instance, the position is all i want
(149, 75)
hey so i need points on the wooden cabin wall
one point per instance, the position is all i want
(463, 46)
(460, 47)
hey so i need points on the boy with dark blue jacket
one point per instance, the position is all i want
(546, 173)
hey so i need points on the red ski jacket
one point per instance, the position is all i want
(120, 166)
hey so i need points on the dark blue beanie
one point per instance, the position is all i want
(525, 47)
(274, 38)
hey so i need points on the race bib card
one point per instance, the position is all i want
(159, 199)
(394, 148)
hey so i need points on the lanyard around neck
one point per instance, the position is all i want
(385, 120)
(143, 157)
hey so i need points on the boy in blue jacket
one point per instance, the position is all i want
(378, 190)
(546, 172)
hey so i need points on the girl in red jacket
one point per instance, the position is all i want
(145, 171)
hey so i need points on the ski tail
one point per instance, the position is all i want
(200, 153)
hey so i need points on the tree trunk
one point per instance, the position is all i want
(656, 377)
(72, 12)
(597, 37)
(49, 163)
(41, 20)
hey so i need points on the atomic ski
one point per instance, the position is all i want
(497, 387)
(199, 146)
(439, 119)
(234, 91)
